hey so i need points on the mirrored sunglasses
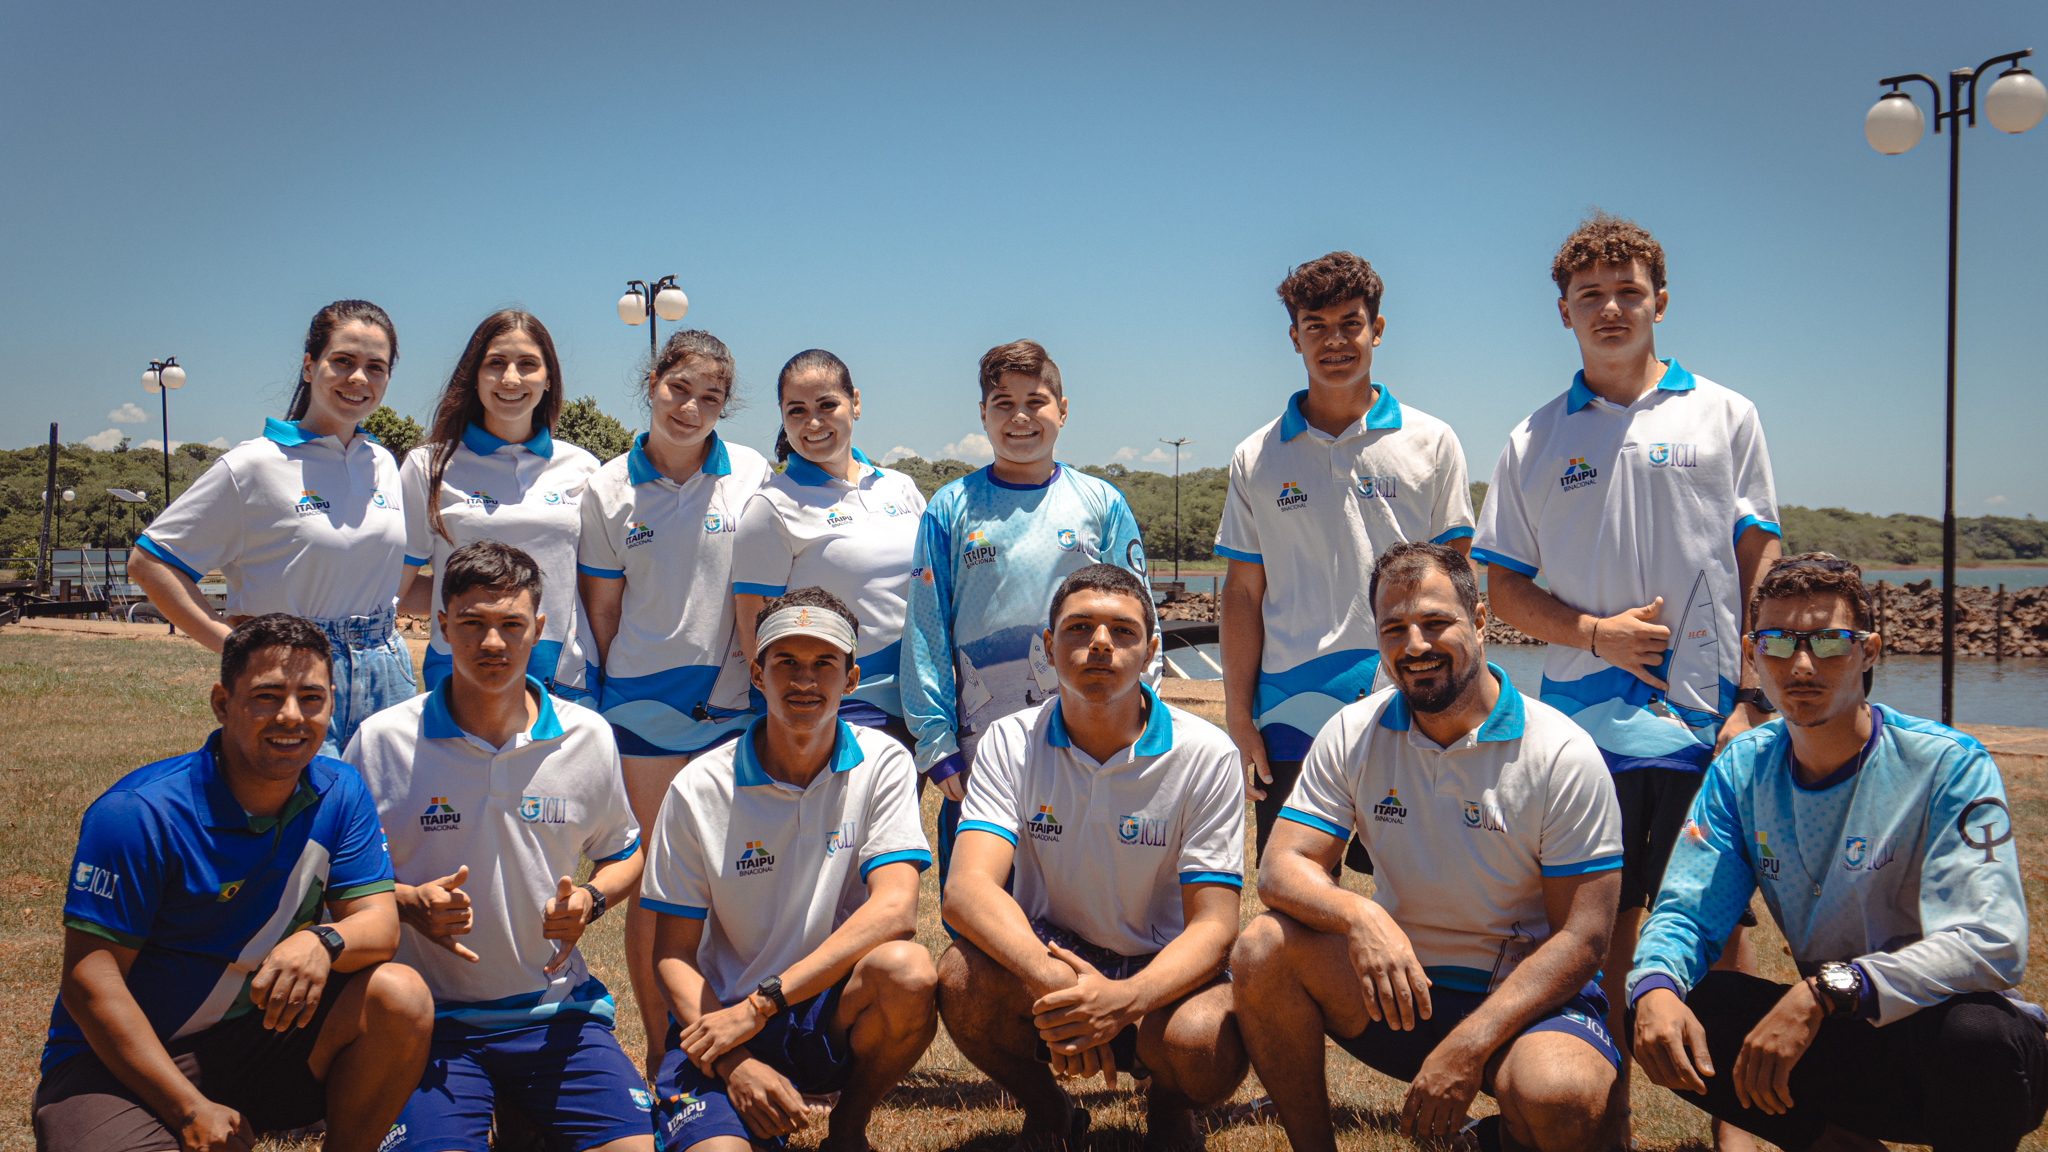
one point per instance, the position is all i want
(1826, 644)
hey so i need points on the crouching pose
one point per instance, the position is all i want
(203, 1002)
(1885, 852)
(490, 791)
(1493, 823)
(1119, 824)
(783, 869)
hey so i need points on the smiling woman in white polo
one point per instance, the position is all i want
(306, 519)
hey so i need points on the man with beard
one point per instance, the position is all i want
(1492, 821)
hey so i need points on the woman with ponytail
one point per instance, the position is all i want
(307, 519)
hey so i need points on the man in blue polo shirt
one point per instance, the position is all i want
(202, 1000)
(1884, 848)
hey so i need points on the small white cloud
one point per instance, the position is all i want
(104, 441)
(897, 453)
(157, 445)
(973, 446)
(220, 442)
(1994, 500)
(1125, 453)
(128, 414)
(1160, 456)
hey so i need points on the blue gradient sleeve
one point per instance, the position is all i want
(927, 668)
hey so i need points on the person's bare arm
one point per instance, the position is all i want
(603, 600)
(1243, 635)
(746, 606)
(289, 983)
(1755, 551)
(415, 597)
(1631, 640)
(1296, 879)
(1462, 546)
(978, 905)
(767, 1102)
(178, 597)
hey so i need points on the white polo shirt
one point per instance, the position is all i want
(519, 816)
(1317, 510)
(296, 523)
(1617, 506)
(527, 495)
(1104, 848)
(854, 540)
(674, 675)
(1462, 837)
(776, 868)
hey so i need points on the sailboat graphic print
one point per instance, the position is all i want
(1696, 648)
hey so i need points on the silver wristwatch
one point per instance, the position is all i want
(1840, 986)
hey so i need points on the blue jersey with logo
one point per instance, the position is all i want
(989, 557)
(1906, 867)
(169, 864)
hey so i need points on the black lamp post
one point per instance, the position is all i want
(660, 298)
(2015, 102)
(161, 377)
(1176, 501)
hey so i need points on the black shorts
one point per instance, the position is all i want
(81, 1106)
(1654, 803)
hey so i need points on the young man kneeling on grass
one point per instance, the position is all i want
(784, 870)
(1095, 884)
(491, 792)
(203, 1003)
(1493, 825)
(1885, 852)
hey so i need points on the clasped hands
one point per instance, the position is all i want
(440, 911)
(767, 1102)
(1079, 1011)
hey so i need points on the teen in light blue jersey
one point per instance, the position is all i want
(991, 551)
(1885, 852)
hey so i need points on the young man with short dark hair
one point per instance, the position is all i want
(1884, 848)
(1315, 496)
(203, 1002)
(492, 792)
(1492, 822)
(784, 871)
(1096, 882)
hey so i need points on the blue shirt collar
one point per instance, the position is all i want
(483, 443)
(1155, 740)
(641, 470)
(809, 475)
(990, 472)
(1676, 379)
(746, 765)
(291, 435)
(1503, 723)
(1385, 413)
(223, 810)
(437, 724)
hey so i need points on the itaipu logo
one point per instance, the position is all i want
(978, 549)
(440, 815)
(95, 879)
(1767, 861)
(1860, 855)
(837, 517)
(755, 861)
(482, 499)
(310, 503)
(544, 809)
(1577, 474)
(1142, 831)
(638, 533)
(680, 1108)
(1375, 487)
(1391, 810)
(1045, 826)
(1674, 455)
(1291, 497)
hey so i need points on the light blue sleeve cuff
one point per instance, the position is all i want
(1508, 562)
(992, 829)
(164, 554)
(918, 856)
(744, 589)
(1603, 864)
(613, 859)
(1453, 534)
(417, 561)
(601, 573)
(1230, 878)
(683, 910)
(1748, 522)
(1315, 822)
(1234, 554)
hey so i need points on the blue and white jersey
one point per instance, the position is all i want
(1617, 506)
(295, 522)
(989, 557)
(1906, 867)
(1316, 511)
(674, 675)
(519, 816)
(854, 540)
(170, 864)
(527, 495)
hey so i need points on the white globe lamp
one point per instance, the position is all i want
(633, 309)
(174, 377)
(2016, 101)
(671, 304)
(1893, 124)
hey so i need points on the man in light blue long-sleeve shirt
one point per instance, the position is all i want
(1884, 849)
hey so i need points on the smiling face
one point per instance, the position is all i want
(273, 717)
(802, 678)
(1022, 418)
(490, 631)
(1807, 691)
(1336, 342)
(818, 420)
(512, 379)
(686, 402)
(1612, 308)
(347, 380)
(1429, 646)
(1098, 644)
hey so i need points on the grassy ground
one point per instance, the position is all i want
(77, 713)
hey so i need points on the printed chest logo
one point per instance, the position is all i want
(837, 516)
(551, 497)
(1575, 474)
(1674, 455)
(638, 533)
(1291, 497)
(544, 809)
(1375, 487)
(1486, 817)
(482, 499)
(716, 523)
(440, 816)
(99, 881)
(379, 500)
(1142, 831)
(1391, 810)
(1767, 862)
(1070, 540)
(310, 503)
(755, 861)
(892, 508)
(1045, 826)
(840, 837)
(1860, 854)
(979, 549)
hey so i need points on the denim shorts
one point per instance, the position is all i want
(372, 671)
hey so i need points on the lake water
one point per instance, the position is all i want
(2014, 691)
(2014, 579)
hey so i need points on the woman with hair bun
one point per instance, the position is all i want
(498, 473)
(306, 519)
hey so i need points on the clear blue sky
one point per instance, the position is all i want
(908, 186)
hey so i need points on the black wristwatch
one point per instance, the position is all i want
(1840, 986)
(1755, 698)
(330, 940)
(772, 989)
(596, 903)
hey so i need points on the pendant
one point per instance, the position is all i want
(1816, 888)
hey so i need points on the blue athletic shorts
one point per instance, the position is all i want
(1400, 1054)
(568, 1076)
(631, 743)
(691, 1106)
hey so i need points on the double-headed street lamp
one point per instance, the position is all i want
(160, 378)
(1177, 446)
(2014, 103)
(661, 298)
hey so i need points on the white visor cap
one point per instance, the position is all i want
(822, 623)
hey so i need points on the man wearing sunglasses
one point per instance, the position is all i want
(1884, 849)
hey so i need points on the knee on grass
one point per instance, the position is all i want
(1197, 1051)
(1554, 1105)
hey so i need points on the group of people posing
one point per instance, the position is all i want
(723, 685)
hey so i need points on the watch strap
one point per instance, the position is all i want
(771, 990)
(329, 939)
(597, 902)
(1755, 698)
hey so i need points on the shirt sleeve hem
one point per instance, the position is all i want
(601, 573)
(1652, 981)
(1600, 864)
(1485, 556)
(745, 589)
(1464, 533)
(1234, 554)
(686, 911)
(915, 856)
(354, 890)
(991, 829)
(167, 556)
(621, 854)
(101, 930)
(417, 561)
(1230, 878)
(952, 765)
(1315, 822)
(1748, 522)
